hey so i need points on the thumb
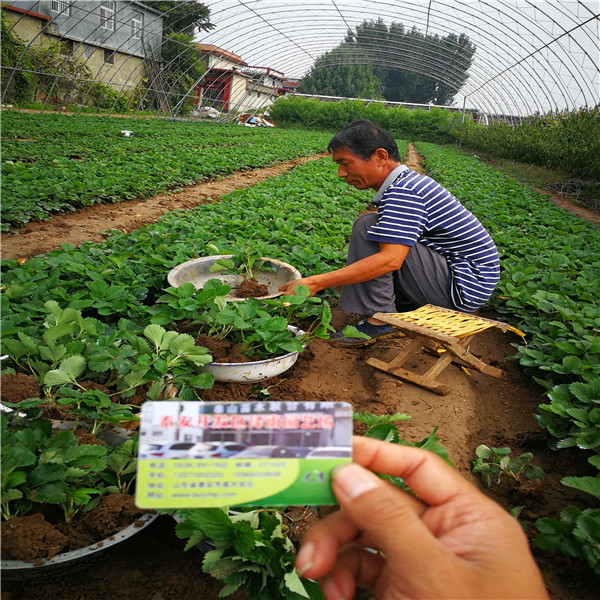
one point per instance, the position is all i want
(388, 516)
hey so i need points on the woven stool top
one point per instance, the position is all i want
(450, 322)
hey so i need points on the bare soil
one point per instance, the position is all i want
(479, 409)
(41, 535)
(94, 222)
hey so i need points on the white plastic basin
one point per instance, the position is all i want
(254, 371)
(197, 272)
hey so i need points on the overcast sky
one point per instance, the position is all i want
(513, 72)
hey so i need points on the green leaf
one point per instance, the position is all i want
(588, 484)
(211, 557)
(294, 583)
(52, 493)
(586, 392)
(213, 522)
(483, 451)
(182, 344)
(350, 331)
(155, 333)
(68, 372)
(58, 331)
(56, 377)
(46, 473)
(234, 581)
(572, 364)
(83, 495)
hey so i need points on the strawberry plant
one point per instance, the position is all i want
(89, 161)
(45, 467)
(251, 549)
(245, 262)
(261, 327)
(494, 463)
(576, 534)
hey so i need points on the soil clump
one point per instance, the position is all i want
(222, 351)
(39, 535)
(251, 289)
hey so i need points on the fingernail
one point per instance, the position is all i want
(331, 590)
(353, 480)
(306, 555)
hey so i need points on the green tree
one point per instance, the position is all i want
(339, 73)
(186, 16)
(183, 62)
(403, 65)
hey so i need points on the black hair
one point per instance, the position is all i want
(362, 138)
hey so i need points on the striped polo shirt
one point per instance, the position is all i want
(414, 208)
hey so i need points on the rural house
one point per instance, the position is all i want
(231, 85)
(112, 38)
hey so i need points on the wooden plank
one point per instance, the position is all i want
(440, 364)
(413, 347)
(472, 361)
(420, 380)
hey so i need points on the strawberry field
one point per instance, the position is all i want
(56, 164)
(95, 312)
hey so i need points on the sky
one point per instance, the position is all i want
(532, 55)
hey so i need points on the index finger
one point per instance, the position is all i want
(422, 471)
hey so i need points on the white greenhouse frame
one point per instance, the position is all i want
(532, 56)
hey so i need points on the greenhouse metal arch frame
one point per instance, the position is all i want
(532, 57)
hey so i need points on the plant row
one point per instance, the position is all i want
(570, 141)
(434, 125)
(57, 163)
(550, 289)
(110, 292)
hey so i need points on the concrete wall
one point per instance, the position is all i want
(92, 44)
(83, 24)
(29, 29)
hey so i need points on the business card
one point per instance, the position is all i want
(206, 454)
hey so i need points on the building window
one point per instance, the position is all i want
(109, 56)
(107, 14)
(137, 26)
(62, 6)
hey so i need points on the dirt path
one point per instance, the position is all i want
(89, 222)
(580, 211)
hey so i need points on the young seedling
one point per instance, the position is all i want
(382, 427)
(493, 463)
(40, 466)
(245, 262)
(251, 550)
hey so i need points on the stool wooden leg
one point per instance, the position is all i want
(413, 347)
(462, 354)
(394, 367)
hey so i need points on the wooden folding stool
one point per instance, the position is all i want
(450, 329)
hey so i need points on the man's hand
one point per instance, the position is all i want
(309, 282)
(389, 258)
(453, 542)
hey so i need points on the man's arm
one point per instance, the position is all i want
(389, 258)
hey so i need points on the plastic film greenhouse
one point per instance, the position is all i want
(300, 300)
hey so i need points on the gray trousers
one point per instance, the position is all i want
(424, 278)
